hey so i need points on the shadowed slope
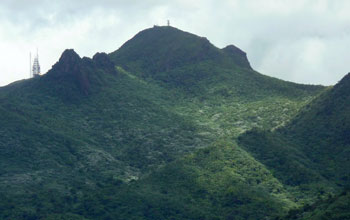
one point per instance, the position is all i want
(313, 150)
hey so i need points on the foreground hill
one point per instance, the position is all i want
(223, 181)
(150, 126)
(312, 151)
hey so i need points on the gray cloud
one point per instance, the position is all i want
(301, 40)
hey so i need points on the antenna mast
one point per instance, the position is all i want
(168, 23)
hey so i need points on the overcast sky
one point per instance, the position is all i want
(306, 41)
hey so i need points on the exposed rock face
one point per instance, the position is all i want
(78, 74)
(69, 62)
(239, 56)
(70, 69)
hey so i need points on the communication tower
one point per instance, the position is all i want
(36, 66)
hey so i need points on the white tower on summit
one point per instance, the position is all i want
(36, 66)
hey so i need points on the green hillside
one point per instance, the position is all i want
(333, 207)
(82, 119)
(215, 87)
(150, 130)
(218, 182)
(311, 152)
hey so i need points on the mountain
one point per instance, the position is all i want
(162, 49)
(217, 87)
(178, 59)
(150, 132)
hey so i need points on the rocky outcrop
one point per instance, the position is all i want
(238, 55)
(69, 62)
(79, 72)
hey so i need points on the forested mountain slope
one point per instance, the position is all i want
(312, 151)
(216, 87)
(151, 126)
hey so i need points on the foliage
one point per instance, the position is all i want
(311, 152)
(333, 207)
(218, 182)
(149, 132)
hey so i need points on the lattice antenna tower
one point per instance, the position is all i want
(36, 65)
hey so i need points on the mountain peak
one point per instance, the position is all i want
(162, 49)
(169, 38)
(79, 73)
(164, 29)
(68, 63)
(69, 56)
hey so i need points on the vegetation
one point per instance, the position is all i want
(333, 207)
(162, 129)
(313, 147)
